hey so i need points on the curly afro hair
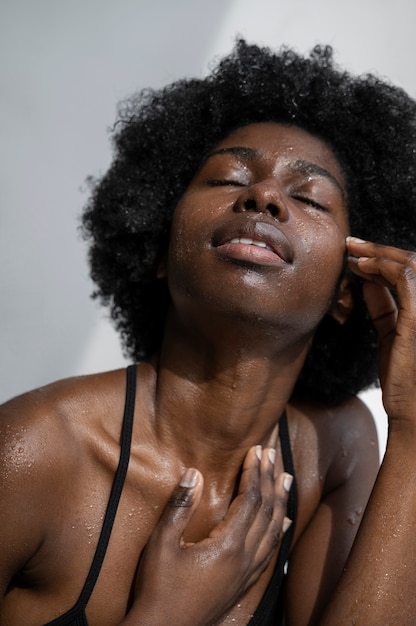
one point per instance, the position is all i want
(161, 138)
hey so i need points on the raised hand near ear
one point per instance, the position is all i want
(184, 584)
(385, 269)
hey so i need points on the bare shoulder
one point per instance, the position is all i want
(352, 413)
(332, 446)
(349, 434)
(340, 435)
(336, 461)
(51, 417)
(45, 436)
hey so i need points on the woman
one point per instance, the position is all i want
(220, 238)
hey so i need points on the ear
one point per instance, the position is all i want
(162, 266)
(343, 303)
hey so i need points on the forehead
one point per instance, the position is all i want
(281, 144)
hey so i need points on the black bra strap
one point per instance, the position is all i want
(116, 488)
(289, 467)
(270, 610)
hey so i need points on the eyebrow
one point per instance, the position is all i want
(245, 153)
(312, 169)
(303, 167)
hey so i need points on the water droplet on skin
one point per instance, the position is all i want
(354, 517)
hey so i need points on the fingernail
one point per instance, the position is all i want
(355, 240)
(258, 452)
(189, 479)
(272, 455)
(286, 524)
(287, 482)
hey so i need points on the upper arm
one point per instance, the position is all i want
(320, 553)
(24, 489)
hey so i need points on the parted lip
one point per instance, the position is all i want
(258, 230)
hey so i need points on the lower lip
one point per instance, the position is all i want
(250, 254)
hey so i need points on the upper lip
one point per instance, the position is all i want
(259, 230)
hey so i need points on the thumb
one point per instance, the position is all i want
(182, 504)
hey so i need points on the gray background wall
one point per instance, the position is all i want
(64, 65)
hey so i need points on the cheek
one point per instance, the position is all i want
(186, 244)
(193, 222)
(324, 243)
(325, 256)
(182, 234)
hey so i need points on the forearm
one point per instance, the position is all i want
(377, 586)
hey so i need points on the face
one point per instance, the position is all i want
(260, 232)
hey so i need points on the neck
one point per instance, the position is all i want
(213, 399)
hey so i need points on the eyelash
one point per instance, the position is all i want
(224, 182)
(311, 203)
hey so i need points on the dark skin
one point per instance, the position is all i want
(239, 327)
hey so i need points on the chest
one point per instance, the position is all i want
(63, 563)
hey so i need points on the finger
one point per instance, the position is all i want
(243, 509)
(181, 504)
(278, 524)
(273, 443)
(380, 270)
(361, 248)
(250, 474)
(273, 438)
(250, 514)
(269, 517)
(386, 265)
(248, 500)
(251, 511)
(397, 277)
(362, 269)
(265, 511)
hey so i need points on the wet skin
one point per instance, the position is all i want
(276, 185)
(239, 327)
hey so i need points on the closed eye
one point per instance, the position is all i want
(224, 183)
(310, 202)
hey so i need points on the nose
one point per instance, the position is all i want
(263, 197)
